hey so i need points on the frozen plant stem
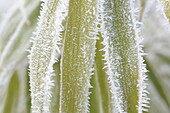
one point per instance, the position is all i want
(120, 72)
(43, 53)
(124, 63)
(78, 56)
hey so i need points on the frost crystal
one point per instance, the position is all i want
(124, 63)
(78, 56)
(43, 53)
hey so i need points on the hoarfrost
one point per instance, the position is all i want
(122, 53)
(44, 51)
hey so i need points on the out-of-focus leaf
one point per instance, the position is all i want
(164, 57)
(159, 85)
(11, 104)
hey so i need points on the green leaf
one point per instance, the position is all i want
(44, 52)
(155, 78)
(124, 63)
(13, 95)
(78, 56)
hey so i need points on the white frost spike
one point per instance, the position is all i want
(43, 53)
(124, 63)
(142, 85)
(77, 57)
(114, 84)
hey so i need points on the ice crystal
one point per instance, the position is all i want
(78, 56)
(123, 58)
(43, 53)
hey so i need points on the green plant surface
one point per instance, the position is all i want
(102, 79)
(77, 57)
(166, 8)
(122, 55)
(85, 56)
(54, 105)
(13, 95)
(95, 96)
(159, 85)
(42, 58)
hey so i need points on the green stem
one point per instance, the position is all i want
(77, 57)
(43, 54)
(124, 63)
